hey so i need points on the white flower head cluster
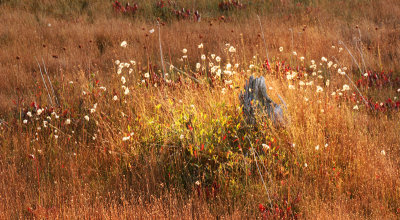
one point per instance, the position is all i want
(345, 88)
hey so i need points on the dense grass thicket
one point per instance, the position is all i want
(94, 124)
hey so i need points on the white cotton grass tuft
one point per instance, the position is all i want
(345, 87)
(126, 91)
(124, 44)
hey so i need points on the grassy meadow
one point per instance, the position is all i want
(95, 124)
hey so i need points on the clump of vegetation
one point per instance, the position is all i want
(131, 119)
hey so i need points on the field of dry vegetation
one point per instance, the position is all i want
(94, 125)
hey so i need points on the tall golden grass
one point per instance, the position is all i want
(330, 161)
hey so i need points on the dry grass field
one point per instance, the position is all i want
(94, 125)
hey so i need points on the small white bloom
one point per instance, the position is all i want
(291, 86)
(203, 57)
(115, 98)
(218, 59)
(126, 138)
(345, 87)
(320, 77)
(184, 57)
(302, 59)
(92, 110)
(305, 165)
(301, 83)
(322, 110)
(294, 53)
(218, 74)
(29, 114)
(133, 62)
(280, 49)
(232, 49)
(45, 124)
(212, 56)
(126, 92)
(265, 146)
(25, 121)
(198, 65)
(327, 82)
(86, 118)
(317, 147)
(340, 49)
(355, 107)
(333, 94)
(398, 90)
(56, 136)
(103, 88)
(151, 31)
(181, 137)
(319, 89)
(312, 62)
(330, 63)
(124, 44)
(117, 62)
(68, 121)
(326, 145)
(200, 46)
(39, 111)
(123, 80)
(119, 71)
(184, 50)
(251, 66)
(383, 152)
(147, 75)
(365, 74)
(306, 99)
(323, 59)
